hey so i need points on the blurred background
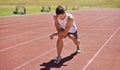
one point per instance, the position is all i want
(35, 6)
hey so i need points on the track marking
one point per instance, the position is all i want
(34, 59)
(18, 67)
(19, 27)
(41, 37)
(22, 33)
(33, 40)
(91, 60)
(16, 21)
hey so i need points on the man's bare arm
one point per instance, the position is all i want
(56, 23)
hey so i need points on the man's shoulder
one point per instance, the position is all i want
(70, 15)
(55, 16)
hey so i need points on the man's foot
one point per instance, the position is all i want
(78, 50)
(57, 60)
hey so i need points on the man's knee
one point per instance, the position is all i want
(59, 37)
(72, 36)
(78, 41)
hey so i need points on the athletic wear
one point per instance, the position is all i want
(57, 60)
(74, 34)
(64, 22)
(78, 50)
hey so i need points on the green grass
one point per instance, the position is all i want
(98, 3)
(8, 10)
(34, 6)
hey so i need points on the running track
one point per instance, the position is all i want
(25, 42)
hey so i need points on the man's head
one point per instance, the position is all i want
(60, 12)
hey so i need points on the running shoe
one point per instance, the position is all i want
(57, 60)
(78, 50)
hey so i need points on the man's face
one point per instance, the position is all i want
(61, 16)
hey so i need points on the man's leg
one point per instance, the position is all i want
(59, 49)
(59, 45)
(76, 41)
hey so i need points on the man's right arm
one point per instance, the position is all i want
(56, 23)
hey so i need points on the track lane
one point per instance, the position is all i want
(89, 47)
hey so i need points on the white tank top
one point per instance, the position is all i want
(64, 22)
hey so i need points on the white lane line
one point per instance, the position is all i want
(19, 27)
(18, 67)
(41, 37)
(22, 33)
(34, 59)
(91, 60)
(18, 34)
(32, 41)
(8, 23)
(35, 39)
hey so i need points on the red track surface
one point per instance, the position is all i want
(25, 43)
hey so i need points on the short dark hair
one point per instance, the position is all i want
(59, 10)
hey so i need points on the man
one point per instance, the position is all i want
(65, 26)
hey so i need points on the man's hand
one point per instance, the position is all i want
(62, 34)
(52, 35)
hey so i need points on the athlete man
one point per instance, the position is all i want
(65, 26)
